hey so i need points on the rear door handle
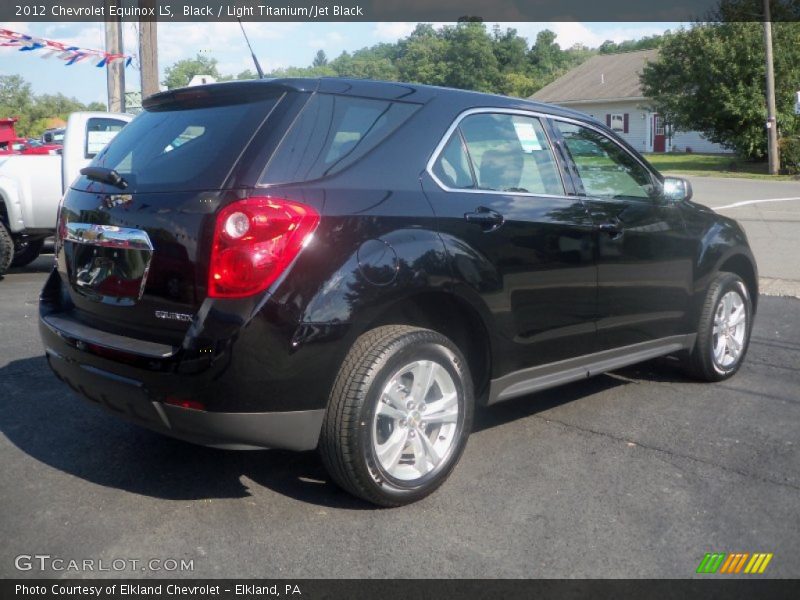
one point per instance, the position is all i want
(487, 218)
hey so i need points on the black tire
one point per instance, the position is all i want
(701, 362)
(26, 251)
(346, 441)
(6, 249)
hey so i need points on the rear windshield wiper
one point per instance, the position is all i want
(104, 175)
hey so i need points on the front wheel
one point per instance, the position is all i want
(723, 333)
(6, 249)
(399, 415)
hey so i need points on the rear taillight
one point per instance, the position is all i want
(254, 241)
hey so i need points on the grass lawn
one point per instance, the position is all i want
(712, 165)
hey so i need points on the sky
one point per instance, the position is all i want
(276, 45)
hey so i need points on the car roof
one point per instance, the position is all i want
(389, 90)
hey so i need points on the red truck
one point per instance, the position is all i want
(10, 143)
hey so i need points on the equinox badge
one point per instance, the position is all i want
(173, 316)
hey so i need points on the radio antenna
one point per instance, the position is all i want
(253, 54)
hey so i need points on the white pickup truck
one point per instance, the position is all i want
(31, 186)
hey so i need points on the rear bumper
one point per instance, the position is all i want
(130, 400)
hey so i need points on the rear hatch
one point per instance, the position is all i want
(133, 257)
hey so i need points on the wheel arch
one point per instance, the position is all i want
(743, 266)
(451, 316)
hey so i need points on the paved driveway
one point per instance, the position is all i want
(632, 474)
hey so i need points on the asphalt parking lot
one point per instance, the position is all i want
(633, 474)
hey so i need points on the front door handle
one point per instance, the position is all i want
(487, 218)
(612, 228)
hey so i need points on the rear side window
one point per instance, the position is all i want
(183, 148)
(452, 167)
(332, 133)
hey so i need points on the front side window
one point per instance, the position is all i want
(506, 153)
(605, 169)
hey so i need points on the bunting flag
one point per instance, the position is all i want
(50, 49)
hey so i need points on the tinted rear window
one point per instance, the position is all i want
(182, 149)
(332, 133)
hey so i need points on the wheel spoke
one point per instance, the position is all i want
(430, 451)
(394, 395)
(720, 348)
(734, 345)
(444, 410)
(424, 375)
(387, 410)
(420, 456)
(390, 452)
(739, 317)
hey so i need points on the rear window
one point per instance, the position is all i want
(183, 149)
(332, 133)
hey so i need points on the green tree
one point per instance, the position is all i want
(420, 57)
(367, 63)
(16, 100)
(711, 78)
(510, 50)
(469, 57)
(645, 43)
(181, 73)
(247, 74)
(34, 112)
(517, 84)
(320, 59)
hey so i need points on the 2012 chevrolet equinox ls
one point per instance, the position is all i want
(352, 265)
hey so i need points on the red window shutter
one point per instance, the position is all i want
(608, 121)
(625, 123)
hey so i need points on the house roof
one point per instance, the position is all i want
(602, 77)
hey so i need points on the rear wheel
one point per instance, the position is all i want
(723, 332)
(26, 251)
(6, 249)
(399, 415)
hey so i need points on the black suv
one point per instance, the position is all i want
(352, 265)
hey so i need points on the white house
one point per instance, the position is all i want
(607, 87)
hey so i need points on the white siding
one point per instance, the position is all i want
(681, 140)
(639, 124)
(638, 130)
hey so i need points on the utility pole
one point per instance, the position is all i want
(148, 52)
(115, 71)
(772, 124)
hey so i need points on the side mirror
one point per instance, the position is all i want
(677, 189)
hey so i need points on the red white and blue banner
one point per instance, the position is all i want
(61, 51)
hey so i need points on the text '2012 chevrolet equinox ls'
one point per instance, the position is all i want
(352, 265)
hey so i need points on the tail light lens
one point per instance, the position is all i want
(255, 240)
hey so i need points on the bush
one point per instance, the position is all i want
(790, 154)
